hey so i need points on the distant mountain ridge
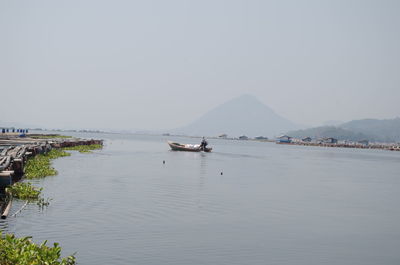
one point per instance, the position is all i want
(244, 115)
(387, 130)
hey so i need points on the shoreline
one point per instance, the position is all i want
(386, 147)
(15, 152)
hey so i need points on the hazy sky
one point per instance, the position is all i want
(161, 64)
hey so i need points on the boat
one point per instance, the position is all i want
(187, 147)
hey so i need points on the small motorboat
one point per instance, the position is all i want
(188, 147)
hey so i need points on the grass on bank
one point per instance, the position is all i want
(84, 148)
(40, 165)
(23, 251)
(24, 191)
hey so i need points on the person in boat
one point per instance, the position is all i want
(203, 144)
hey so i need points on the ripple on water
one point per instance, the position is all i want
(273, 205)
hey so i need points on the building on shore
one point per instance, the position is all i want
(243, 137)
(223, 136)
(306, 140)
(284, 139)
(329, 140)
(261, 138)
(12, 130)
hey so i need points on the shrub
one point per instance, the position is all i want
(23, 251)
(40, 165)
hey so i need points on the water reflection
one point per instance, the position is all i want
(4, 225)
(203, 163)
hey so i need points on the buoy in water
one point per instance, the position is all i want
(222, 173)
(163, 161)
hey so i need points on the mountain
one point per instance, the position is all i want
(356, 130)
(328, 131)
(379, 130)
(244, 115)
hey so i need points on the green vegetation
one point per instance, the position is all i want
(24, 191)
(84, 148)
(23, 251)
(49, 136)
(40, 165)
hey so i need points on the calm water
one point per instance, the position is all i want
(274, 204)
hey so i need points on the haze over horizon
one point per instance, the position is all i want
(162, 64)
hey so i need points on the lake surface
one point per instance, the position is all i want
(273, 204)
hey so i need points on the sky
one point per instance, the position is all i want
(162, 64)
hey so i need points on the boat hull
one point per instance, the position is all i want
(187, 148)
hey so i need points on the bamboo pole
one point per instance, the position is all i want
(7, 210)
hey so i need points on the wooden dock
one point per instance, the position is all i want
(15, 151)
